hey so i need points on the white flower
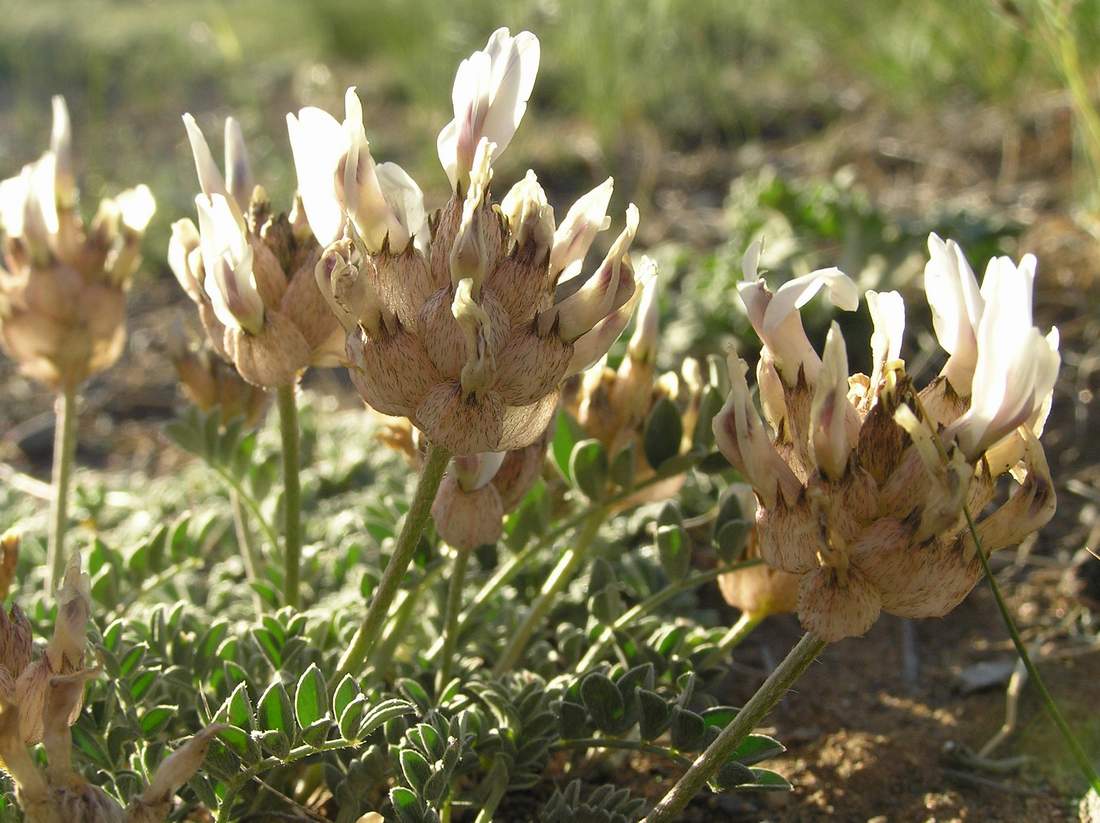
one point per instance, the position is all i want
(888, 316)
(584, 220)
(476, 471)
(605, 291)
(529, 215)
(1016, 366)
(227, 259)
(28, 204)
(337, 177)
(490, 95)
(776, 319)
(957, 307)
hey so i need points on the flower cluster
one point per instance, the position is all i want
(250, 272)
(861, 481)
(63, 284)
(465, 321)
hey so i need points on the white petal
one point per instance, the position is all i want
(829, 444)
(210, 179)
(227, 259)
(406, 200)
(136, 207)
(318, 143)
(796, 293)
(888, 316)
(586, 218)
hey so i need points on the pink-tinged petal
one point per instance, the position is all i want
(238, 171)
(742, 438)
(829, 442)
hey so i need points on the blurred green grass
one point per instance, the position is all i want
(691, 71)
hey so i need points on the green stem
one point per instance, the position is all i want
(616, 743)
(450, 621)
(292, 495)
(718, 752)
(250, 553)
(653, 602)
(395, 630)
(559, 578)
(498, 785)
(734, 637)
(64, 450)
(1072, 743)
(504, 574)
(415, 521)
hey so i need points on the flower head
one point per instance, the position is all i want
(861, 480)
(250, 272)
(467, 331)
(63, 283)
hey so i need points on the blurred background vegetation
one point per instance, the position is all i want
(785, 99)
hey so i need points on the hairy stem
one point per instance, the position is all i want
(498, 785)
(292, 495)
(64, 452)
(734, 637)
(1071, 741)
(450, 621)
(250, 552)
(718, 752)
(415, 521)
(559, 578)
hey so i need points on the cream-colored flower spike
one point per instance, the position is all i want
(490, 96)
(250, 272)
(862, 480)
(468, 334)
(63, 283)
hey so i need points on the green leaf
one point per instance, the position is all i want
(589, 469)
(384, 712)
(687, 730)
(602, 699)
(415, 692)
(574, 721)
(731, 539)
(240, 707)
(132, 658)
(274, 710)
(768, 781)
(674, 549)
(756, 748)
(310, 698)
(710, 404)
(663, 433)
(719, 716)
(566, 435)
(404, 801)
(415, 769)
(731, 775)
(622, 466)
(655, 714)
(346, 691)
(141, 684)
(351, 716)
(156, 719)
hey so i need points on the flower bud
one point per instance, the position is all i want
(474, 248)
(529, 217)
(829, 442)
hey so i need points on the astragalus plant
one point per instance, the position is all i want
(868, 486)
(63, 287)
(492, 603)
